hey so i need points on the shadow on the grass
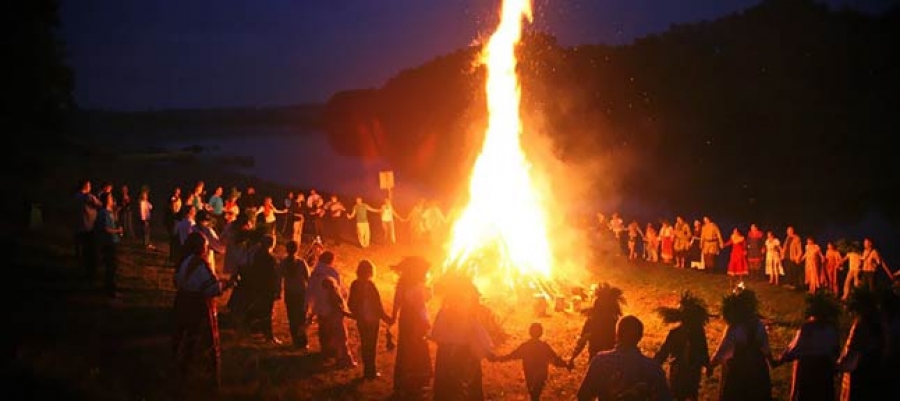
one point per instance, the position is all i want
(278, 364)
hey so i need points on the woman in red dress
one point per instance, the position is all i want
(737, 264)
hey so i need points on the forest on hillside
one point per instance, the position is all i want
(162, 124)
(785, 111)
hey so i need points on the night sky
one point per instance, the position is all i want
(139, 55)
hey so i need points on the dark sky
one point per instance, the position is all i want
(137, 55)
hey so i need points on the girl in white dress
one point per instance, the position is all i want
(773, 258)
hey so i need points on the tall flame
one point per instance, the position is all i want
(504, 217)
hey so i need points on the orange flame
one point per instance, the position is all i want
(504, 217)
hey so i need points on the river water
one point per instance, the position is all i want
(301, 159)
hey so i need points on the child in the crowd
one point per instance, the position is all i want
(536, 356)
(295, 278)
(334, 324)
(365, 305)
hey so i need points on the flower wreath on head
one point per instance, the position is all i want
(690, 309)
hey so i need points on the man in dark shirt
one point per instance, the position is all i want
(623, 373)
(536, 356)
(334, 223)
(87, 207)
(250, 203)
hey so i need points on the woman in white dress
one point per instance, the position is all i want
(773, 258)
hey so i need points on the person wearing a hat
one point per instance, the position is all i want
(412, 369)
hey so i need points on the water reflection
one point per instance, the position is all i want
(300, 159)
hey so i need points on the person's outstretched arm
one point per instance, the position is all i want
(590, 385)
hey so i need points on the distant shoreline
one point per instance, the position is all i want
(189, 124)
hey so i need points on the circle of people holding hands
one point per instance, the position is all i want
(315, 296)
(617, 368)
(795, 262)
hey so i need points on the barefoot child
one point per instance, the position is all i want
(365, 305)
(536, 356)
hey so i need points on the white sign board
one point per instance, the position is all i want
(386, 179)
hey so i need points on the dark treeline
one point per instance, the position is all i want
(172, 122)
(783, 112)
(37, 83)
(37, 97)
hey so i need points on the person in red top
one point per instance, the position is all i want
(737, 264)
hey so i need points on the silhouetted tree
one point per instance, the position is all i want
(38, 90)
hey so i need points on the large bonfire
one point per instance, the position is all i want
(502, 233)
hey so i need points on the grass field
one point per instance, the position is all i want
(73, 343)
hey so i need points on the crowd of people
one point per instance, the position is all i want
(794, 262)
(316, 297)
